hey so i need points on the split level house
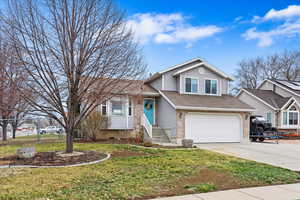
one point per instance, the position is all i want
(187, 101)
(277, 101)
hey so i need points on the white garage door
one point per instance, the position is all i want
(205, 128)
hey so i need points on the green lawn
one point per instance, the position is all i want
(157, 172)
(34, 138)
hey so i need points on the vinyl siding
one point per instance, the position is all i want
(170, 82)
(266, 86)
(205, 74)
(157, 84)
(166, 116)
(261, 108)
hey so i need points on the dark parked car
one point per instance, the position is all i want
(261, 129)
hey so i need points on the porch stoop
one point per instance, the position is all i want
(159, 135)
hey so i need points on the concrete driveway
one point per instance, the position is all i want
(281, 155)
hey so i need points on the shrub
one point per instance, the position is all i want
(93, 125)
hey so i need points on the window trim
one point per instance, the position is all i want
(293, 120)
(130, 106)
(288, 125)
(271, 117)
(105, 103)
(122, 103)
(198, 85)
(211, 79)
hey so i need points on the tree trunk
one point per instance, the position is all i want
(69, 141)
(4, 131)
(14, 130)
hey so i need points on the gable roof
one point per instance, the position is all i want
(188, 69)
(128, 87)
(181, 65)
(205, 102)
(270, 98)
(197, 62)
(284, 85)
(288, 103)
(291, 85)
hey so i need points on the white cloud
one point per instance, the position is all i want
(187, 34)
(266, 38)
(256, 19)
(290, 11)
(168, 28)
(239, 18)
(290, 26)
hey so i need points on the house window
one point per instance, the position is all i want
(210, 86)
(104, 108)
(191, 85)
(117, 107)
(293, 118)
(290, 117)
(269, 117)
(284, 118)
(129, 108)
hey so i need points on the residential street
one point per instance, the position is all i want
(280, 192)
(281, 155)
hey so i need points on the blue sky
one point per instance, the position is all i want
(221, 32)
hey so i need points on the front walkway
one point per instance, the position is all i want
(278, 192)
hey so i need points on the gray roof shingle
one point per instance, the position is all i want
(269, 97)
(205, 101)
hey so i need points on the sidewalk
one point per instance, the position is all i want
(278, 192)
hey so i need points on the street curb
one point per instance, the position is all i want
(53, 166)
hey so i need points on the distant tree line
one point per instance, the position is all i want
(284, 66)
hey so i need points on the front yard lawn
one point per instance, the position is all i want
(33, 139)
(137, 173)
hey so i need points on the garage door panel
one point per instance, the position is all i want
(207, 128)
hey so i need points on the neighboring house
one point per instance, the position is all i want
(276, 100)
(189, 100)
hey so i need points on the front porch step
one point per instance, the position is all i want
(159, 135)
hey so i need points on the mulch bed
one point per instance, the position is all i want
(52, 159)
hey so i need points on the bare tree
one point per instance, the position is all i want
(76, 52)
(249, 73)
(284, 66)
(17, 118)
(290, 65)
(271, 67)
(12, 77)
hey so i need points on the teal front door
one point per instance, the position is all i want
(149, 110)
